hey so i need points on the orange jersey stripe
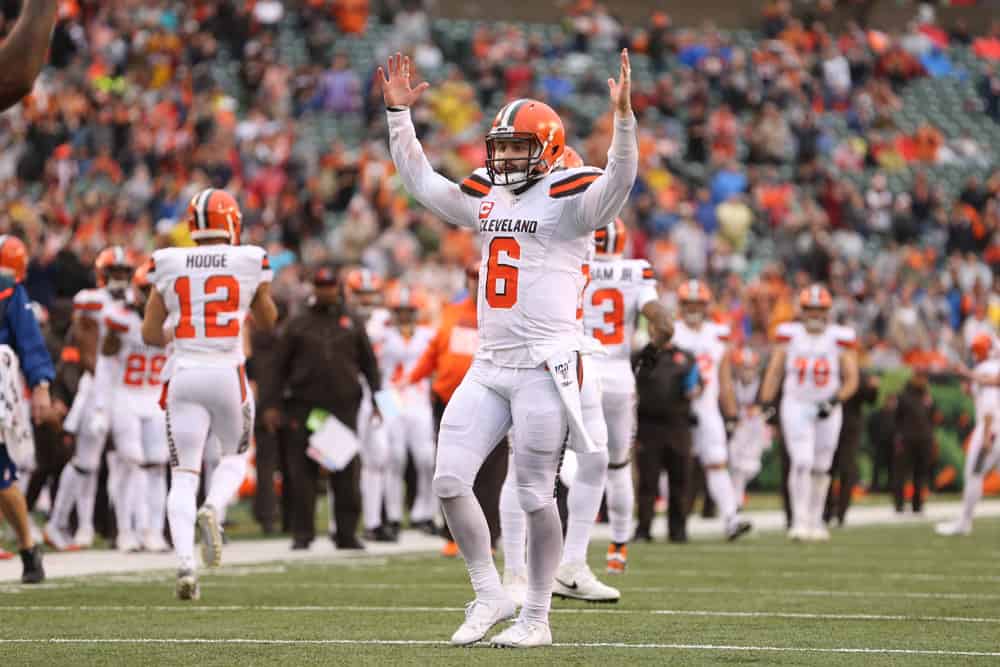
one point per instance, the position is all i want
(572, 184)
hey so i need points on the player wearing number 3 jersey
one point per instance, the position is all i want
(535, 223)
(200, 300)
(820, 371)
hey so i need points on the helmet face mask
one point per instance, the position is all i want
(512, 158)
(693, 313)
(815, 319)
(117, 279)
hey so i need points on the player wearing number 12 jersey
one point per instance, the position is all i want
(820, 371)
(202, 295)
(535, 223)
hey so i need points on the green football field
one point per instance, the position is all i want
(873, 596)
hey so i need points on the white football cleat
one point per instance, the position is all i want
(737, 527)
(516, 586)
(84, 538)
(211, 536)
(953, 528)
(480, 617)
(577, 582)
(128, 543)
(819, 534)
(798, 533)
(187, 585)
(154, 542)
(524, 634)
(56, 538)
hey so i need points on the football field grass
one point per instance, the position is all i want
(875, 596)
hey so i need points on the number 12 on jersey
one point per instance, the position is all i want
(228, 302)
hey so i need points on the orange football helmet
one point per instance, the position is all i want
(694, 297)
(214, 214)
(815, 302)
(13, 257)
(110, 261)
(981, 346)
(363, 280)
(400, 297)
(609, 241)
(571, 159)
(140, 279)
(539, 128)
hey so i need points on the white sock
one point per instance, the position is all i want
(798, 493)
(721, 488)
(372, 480)
(544, 547)
(209, 471)
(394, 494)
(971, 494)
(621, 502)
(181, 511)
(156, 497)
(469, 528)
(86, 496)
(819, 485)
(138, 494)
(739, 485)
(513, 527)
(583, 503)
(226, 481)
(69, 490)
(125, 494)
(331, 506)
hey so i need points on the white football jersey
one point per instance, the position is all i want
(812, 361)
(535, 239)
(746, 393)
(987, 398)
(400, 354)
(137, 382)
(377, 327)
(708, 345)
(612, 300)
(95, 304)
(207, 291)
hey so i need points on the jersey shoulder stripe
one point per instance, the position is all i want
(265, 263)
(115, 324)
(476, 186)
(573, 184)
(786, 331)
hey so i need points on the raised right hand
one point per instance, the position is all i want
(396, 89)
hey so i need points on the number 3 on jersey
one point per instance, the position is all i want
(228, 289)
(614, 317)
(501, 278)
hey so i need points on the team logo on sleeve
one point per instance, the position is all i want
(485, 209)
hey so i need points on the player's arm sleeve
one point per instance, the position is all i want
(439, 195)
(272, 384)
(605, 197)
(29, 344)
(647, 286)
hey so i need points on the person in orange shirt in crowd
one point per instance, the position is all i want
(448, 357)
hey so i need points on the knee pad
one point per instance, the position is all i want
(450, 486)
(536, 478)
(592, 468)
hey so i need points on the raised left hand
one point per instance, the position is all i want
(621, 90)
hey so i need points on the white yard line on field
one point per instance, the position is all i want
(208, 609)
(419, 642)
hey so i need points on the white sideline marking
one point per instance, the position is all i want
(408, 610)
(427, 642)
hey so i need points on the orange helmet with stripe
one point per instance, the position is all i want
(364, 290)
(400, 296)
(13, 257)
(140, 279)
(537, 128)
(694, 297)
(609, 240)
(214, 214)
(571, 159)
(981, 346)
(815, 302)
(113, 268)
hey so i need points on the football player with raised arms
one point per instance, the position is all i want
(536, 225)
(90, 422)
(199, 301)
(714, 411)
(814, 363)
(983, 453)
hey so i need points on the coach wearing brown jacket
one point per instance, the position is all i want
(318, 358)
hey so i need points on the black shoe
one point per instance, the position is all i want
(31, 559)
(642, 536)
(426, 527)
(300, 544)
(380, 534)
(394, 528)
(349, 542)
(680, 537)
